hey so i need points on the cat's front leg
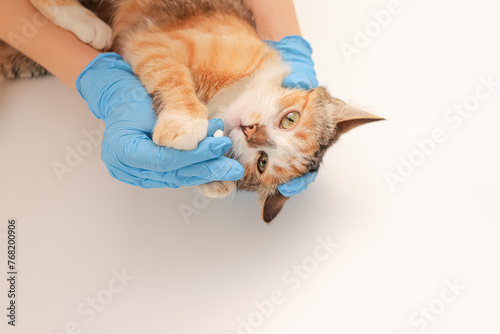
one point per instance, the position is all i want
(217, 189)
(181, 128)
(182, 119)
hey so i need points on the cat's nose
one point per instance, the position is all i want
(248, 130)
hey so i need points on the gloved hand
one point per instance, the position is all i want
(297, 185)
(297, 52)
(115, 95)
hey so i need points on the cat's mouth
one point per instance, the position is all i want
(238, 138)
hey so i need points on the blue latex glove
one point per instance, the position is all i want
(297, 52)
(115, 95)
(297, 185)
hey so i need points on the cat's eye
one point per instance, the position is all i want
(262, 162)
(290, 119)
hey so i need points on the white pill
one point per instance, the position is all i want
(218, 133)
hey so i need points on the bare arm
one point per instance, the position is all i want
(275, 19)
(56, 49)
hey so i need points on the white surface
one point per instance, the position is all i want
(395, 248)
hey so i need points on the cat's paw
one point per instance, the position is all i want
(217, 189)
(85, 25)
(180, 132)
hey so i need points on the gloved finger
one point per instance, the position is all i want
(214, 170)
(221, 169)
(297, 185)
(299, 80)
(140, 152)
(136, 177)
(214, 125)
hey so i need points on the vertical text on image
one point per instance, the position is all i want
(12, 272)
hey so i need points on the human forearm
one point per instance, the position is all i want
(275, 19)
(56, 49)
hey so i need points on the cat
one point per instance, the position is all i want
(203, 59)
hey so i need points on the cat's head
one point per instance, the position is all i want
(279, 134)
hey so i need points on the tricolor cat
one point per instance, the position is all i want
(203, 59)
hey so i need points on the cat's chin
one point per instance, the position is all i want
(239, 146)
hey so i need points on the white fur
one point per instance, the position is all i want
(193, 131)
(217, 189)
(83, 23)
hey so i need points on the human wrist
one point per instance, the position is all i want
(291, 42)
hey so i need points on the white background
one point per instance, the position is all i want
(201, 274)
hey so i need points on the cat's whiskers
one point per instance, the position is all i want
(231, 201)
(221, 170)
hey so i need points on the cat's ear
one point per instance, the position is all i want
(349, 117)
(272, 205)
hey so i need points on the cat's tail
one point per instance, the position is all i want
(14, 64)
